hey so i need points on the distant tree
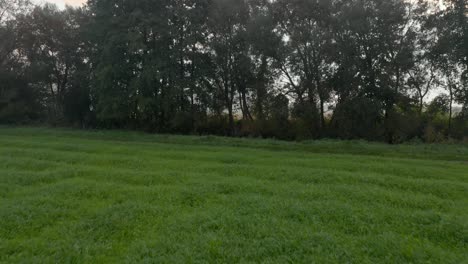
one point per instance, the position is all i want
(451, 24)
(439, 105)
(19, 101)
(358, 118)
(264, 47)
(231, 65)
(280, 116)
(306, 28)
(375, 42)
(49, 39)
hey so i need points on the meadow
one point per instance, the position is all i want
(69, 196)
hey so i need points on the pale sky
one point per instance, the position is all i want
(62, 3)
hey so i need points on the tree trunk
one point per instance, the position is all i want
(421, 105)
(241, 104)
(192, 89)
(246, 106)
(182, 78)
(231, 120)
(388, 129)
(322, 114)
(450, 112)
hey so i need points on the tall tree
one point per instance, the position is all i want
(50, 40)
(305, 26)
(19, 101)
(379, 40)
(228, 46)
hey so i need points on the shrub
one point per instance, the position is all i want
(358, 118)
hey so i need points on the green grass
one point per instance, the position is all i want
(104, 197)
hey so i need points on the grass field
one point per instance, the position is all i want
(92, 197)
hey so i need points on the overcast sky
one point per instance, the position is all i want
(61, 3)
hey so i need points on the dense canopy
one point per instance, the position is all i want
(289, 69)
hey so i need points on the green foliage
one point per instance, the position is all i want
(432, 134)
(440, 105)
(18, 100)
(284, 69)
(404, 125)
(358, 118)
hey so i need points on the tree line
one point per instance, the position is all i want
(288, 69)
